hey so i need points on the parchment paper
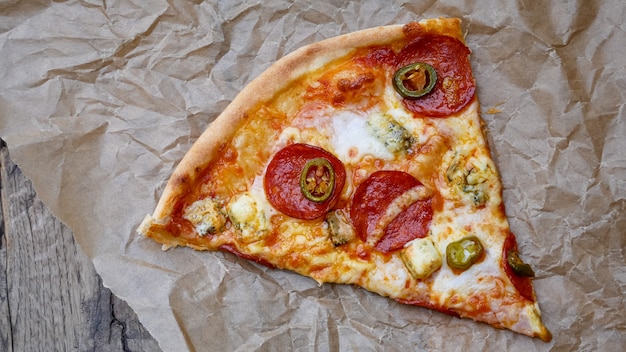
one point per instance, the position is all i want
(100, 100)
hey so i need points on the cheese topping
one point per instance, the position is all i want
(249, 220)
(352, 140)
(448, 155)
(396, 138)
(206, 216)
(470, 177)
(421, 257)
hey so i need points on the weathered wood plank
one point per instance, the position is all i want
(5, 316)
(51, 298)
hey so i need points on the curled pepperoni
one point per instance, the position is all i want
(410, 224)
(373, 197)
(455, 85)
(522, 284)
(282, 181)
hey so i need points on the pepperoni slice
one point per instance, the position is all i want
(373, 197)
(522, 284)
(410, 224)
(282, 181)
(455, 85)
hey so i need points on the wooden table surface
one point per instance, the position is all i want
(51, 298)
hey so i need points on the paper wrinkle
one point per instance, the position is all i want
(98, 104)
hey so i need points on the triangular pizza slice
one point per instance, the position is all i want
(360, 160)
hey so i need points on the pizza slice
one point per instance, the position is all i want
(360, 160)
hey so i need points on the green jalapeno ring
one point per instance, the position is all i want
(405, 73)
(517, 265)
(328, 191)
(462, 254)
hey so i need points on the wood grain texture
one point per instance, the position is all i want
(51, 298)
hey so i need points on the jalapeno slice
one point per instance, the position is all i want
(415, 80)
(463, 253)
(517, 265)
(317, 180)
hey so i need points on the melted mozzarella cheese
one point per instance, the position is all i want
(258, 193)
(388, 277)
(352, 140)
(313, 136)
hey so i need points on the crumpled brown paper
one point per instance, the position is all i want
(100, 100)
